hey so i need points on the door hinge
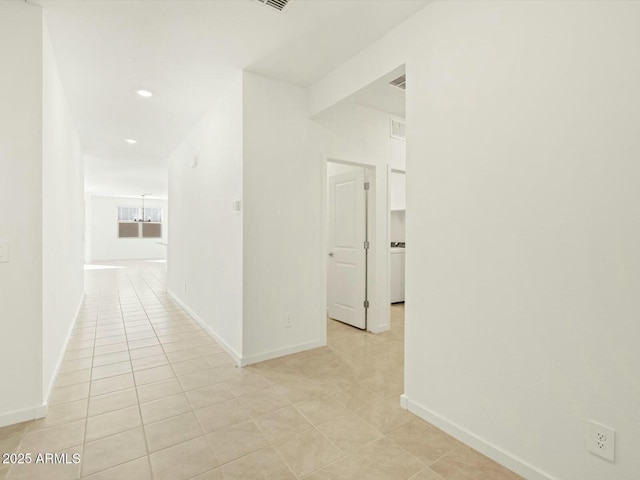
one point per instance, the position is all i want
(366, 185)
(366, 304)
(366, 245)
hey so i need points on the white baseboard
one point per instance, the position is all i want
(261, 357)
(227, 348)
(494, 452)
(380, 328)
(239, 359)
(62, 353)
(23, 415)
(41, 410)
(404, 401)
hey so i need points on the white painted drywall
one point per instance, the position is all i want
(279, 246)
(527, 219)
(282, 217)
(397, 191)
(334, 169)
(62, 220)
(88, 224)
(205, 240)
(21, 211)
(283, 184)
(352, 130)
(397, 226)
(522, 300)
(105, 244)
(397, 205)
(371, 64)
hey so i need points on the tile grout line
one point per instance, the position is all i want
(204, 434)
(25, 431)
(221, 464)
(86, 416)
(117, 296)
(135, 384)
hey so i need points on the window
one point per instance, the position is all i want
(135, 222)
(135, 214)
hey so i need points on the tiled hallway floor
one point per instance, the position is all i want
(145, 393)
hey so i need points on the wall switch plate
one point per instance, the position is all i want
(4, 251)
(601, 440)
(287, 320)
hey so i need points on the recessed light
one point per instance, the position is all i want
(130, 141)
(144, 93)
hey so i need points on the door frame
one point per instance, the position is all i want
(378, 229)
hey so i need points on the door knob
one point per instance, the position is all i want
(331, 254)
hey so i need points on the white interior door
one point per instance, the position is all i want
(346, 290)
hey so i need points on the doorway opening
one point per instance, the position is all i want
(348, 244)
(351, 250)
(373, 122)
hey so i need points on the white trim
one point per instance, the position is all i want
(261, 357)
(404, 401)
(324, 238)
(485, 447)
(23, 415)
(56, 372)
(380, 328)
(227, 348)
(41, 410)
(162, 198)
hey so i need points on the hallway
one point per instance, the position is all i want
(145, 393)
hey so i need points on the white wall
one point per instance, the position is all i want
(103, 230)
(530, 239)
(41, 187)
(243, 151)
(361, 133)
(334, 169)
(62, 220)
(284, 181)
(21, 211)
(397, 226)
(206, 239)
(282, 218)
(397, 205)
(397, 191)
(522, 300)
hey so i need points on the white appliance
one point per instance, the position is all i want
(397, 274)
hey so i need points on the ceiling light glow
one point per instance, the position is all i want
(130, 141)
(144, 93)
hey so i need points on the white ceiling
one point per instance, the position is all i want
(382, 96)
(186, 52)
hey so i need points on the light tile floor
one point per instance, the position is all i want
(145, 393)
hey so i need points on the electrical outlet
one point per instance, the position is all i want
(601, 440)
(288, 323)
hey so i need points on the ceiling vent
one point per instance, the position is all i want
(400, 82)
(398, 129)
(277, 4)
